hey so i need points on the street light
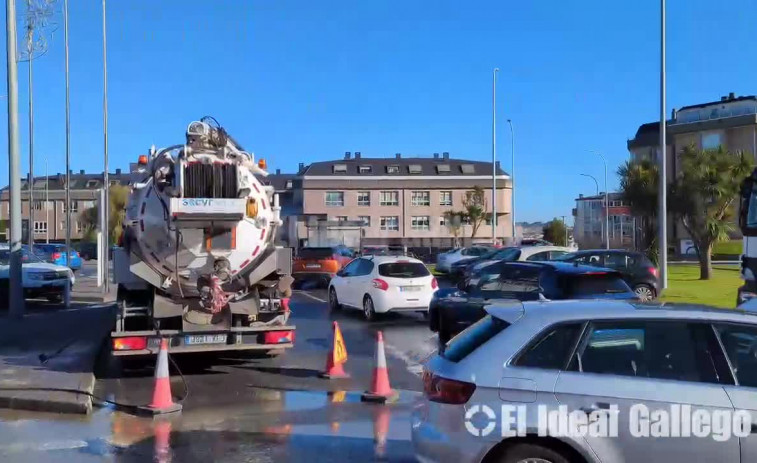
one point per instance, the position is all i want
(512, 177)
(494, 155)
(593, 178)
(663, 206)
(106, 207)
(607, 206)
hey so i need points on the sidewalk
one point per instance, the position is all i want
(55, 351)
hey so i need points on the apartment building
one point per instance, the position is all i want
(398, 200)
(730, 122)
(589, 222)
(49, 203)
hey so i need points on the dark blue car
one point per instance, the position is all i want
(454, 309)
(56, 254)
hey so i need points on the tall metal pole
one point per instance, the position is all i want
(607, 206)
(494, 155)
(565, 225)
(662, 215)
(16, 292)
(512, 176)
(68, 135)
(31, 147)
(106, 185)
(47, 204)
(595, 181)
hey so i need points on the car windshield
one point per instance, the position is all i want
(590, 284)
(403, 270)
(473, 337)
(316, 253)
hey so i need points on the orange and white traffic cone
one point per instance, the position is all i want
(162, 401)
(162, 448)
(337, 357)
(380, 390)
(381, 418)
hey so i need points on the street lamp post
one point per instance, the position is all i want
(663, 206)
(68, 135)
(494, 155)
(607, 206)
(106, 185)
(31, 144)
(512, 177)
(596, 184)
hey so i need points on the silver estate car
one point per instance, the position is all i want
(600, 359)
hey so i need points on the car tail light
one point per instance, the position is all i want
(278, 337)
(654, 272)
(434, 284)
(446, 391)
(130, 343)
(56, 255)
(380, 284)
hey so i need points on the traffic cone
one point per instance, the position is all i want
(162, 401)
(381, 418)
(380, 390)
(336, 358)
(162, 448)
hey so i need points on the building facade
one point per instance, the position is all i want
(398, 201)
(49, 204)
(730, 122)
(589, 222)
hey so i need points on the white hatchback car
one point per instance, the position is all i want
(381, 284)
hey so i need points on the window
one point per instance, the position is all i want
(403, 270)
(365, 169)
(551, 350)
(391, 223)
(442, 169)
(365, 267)
(40, 227)
(389, 198)
(366, 219)
(341, 218)
(114, 182)
(580, 286)
(350, 270)
(363, 198)
(445, 198)
(392, 169)
(79, 227)
(420, 198)
(415, 169)
(738, 341)
(335, 198)
(289, 184)
(420, 222)
(711, 140)
(340, 168)
(520, 279)
(37, 205)
(539, 256)
(473, 337)
(91, 184)
(654, 349)
(74, 206)
(467, 169)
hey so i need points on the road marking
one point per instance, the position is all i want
(410, 364)
(297, 291)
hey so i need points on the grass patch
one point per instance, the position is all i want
(685, 286)
(732, 247)
(432, 269)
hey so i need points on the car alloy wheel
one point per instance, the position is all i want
(333, 301)
(368, 309)
(644, 292)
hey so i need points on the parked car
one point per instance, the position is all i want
(445, 260)
(56, 254)
(590, 356)
(382, 284)
(512, 254)
(535, 242)
(87, 250)
(39, 278)
(637, 270)
(320, 263)
(458, 269)
(454, 309)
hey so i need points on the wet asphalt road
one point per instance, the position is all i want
(243, 408)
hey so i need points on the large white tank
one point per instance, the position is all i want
(198, 218)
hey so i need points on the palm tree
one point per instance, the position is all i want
(639, 183)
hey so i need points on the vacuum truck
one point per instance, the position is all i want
(197, 262)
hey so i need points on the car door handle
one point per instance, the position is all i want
(603, 406)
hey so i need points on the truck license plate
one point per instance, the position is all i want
(205, 339)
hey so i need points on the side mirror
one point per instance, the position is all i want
(340, 273)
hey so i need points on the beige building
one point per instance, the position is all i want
(399, 201)
(730, 122)
(48, 194)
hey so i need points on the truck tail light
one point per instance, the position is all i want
(434, 283)
(130, 343)
(380, 284)
(446, 391)
(278, 337)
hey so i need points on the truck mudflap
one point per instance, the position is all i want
(263, 338)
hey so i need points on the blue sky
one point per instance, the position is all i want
(300, 81)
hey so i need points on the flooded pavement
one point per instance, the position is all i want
(277, 426)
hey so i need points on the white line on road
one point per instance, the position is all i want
(309, 295)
